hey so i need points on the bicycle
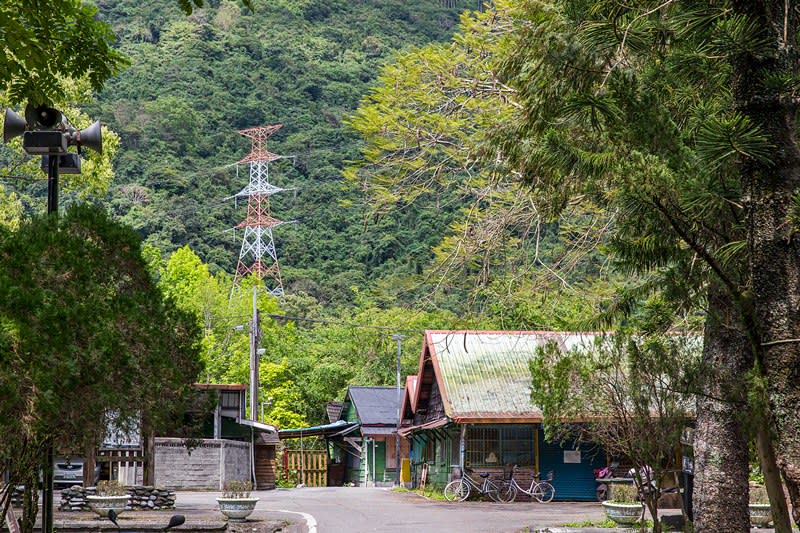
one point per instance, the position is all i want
(459, 490)
(541, 490)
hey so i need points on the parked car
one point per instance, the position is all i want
(68, 471)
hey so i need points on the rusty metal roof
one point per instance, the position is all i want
(485, 375)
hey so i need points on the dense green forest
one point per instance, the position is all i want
(551, 165)
(359, 264)
(193, 82)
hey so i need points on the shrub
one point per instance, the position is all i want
(237, 489)
(624, 493)
(111, 488)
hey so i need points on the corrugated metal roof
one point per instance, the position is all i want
(325, 429)
(486, 374)
(375, 405)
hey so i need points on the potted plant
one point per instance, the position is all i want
(236, 503)
(110, 495)
(760, 513)
(623, 505)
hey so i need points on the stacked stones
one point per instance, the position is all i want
(141, 498)
(144, 498)
(74, 498)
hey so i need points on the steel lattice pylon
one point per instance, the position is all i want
(258, 255)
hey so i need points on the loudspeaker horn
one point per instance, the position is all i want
(91, 137)
(14, 126)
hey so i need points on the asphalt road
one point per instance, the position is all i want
(356, 509)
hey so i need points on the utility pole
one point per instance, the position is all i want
(399, 339)
(255, 337)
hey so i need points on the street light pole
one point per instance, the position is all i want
(48, 496)
(46, 131)
(399, 339)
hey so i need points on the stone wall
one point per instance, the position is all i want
(207, 466)
(141, 498)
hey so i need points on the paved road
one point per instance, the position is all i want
(356, 509)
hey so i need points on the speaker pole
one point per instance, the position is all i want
(52, 183)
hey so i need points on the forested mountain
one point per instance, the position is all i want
(192, 82)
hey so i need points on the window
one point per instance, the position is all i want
(517, 444)
(483, 446)
(499, 445)
(229, 400)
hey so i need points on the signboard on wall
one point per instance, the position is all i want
(572, 456)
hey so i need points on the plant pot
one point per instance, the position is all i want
(623, 513)
(237, 509)
(102, 504)
(760, 514)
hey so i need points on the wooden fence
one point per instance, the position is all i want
(309, 467)
(124, 464)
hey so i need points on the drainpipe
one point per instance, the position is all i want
(462, 447)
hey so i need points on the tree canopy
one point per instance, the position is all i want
(49, 40)
(86, 337)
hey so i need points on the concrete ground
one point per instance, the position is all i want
(353, 509)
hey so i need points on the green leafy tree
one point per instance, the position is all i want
(614, 115)
(619, 111)
(636, 394)
(86, 337)
(50, 40)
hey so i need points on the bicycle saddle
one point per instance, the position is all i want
(484, 474)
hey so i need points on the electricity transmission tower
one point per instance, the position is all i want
(258, 255)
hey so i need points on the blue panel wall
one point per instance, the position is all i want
(573, 481)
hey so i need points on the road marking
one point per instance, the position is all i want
(311, 522)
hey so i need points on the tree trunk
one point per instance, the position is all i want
(89, 464)
(772, 479)
(30, 502)
(768, 188)
(720, 442)
(148, 451)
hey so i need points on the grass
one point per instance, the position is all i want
(592, 523)
(608, 523)
(427, 492)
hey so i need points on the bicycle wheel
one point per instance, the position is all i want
(544, 492)
(507, 493)
(456, 491)
(492, 490)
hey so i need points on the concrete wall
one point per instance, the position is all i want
(207, 466)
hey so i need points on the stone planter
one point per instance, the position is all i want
(237, 509)
(623, 513)
(760, 514)
(102, 504)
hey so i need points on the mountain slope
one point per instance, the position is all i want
(194, 81)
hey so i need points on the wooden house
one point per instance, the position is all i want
(375, 411)
(470, 406)
(360, 438)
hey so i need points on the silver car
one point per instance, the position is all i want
(68, 471)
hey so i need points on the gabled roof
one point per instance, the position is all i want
(484, 376)
(376, 406)
(334, 410)
(409, 395)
